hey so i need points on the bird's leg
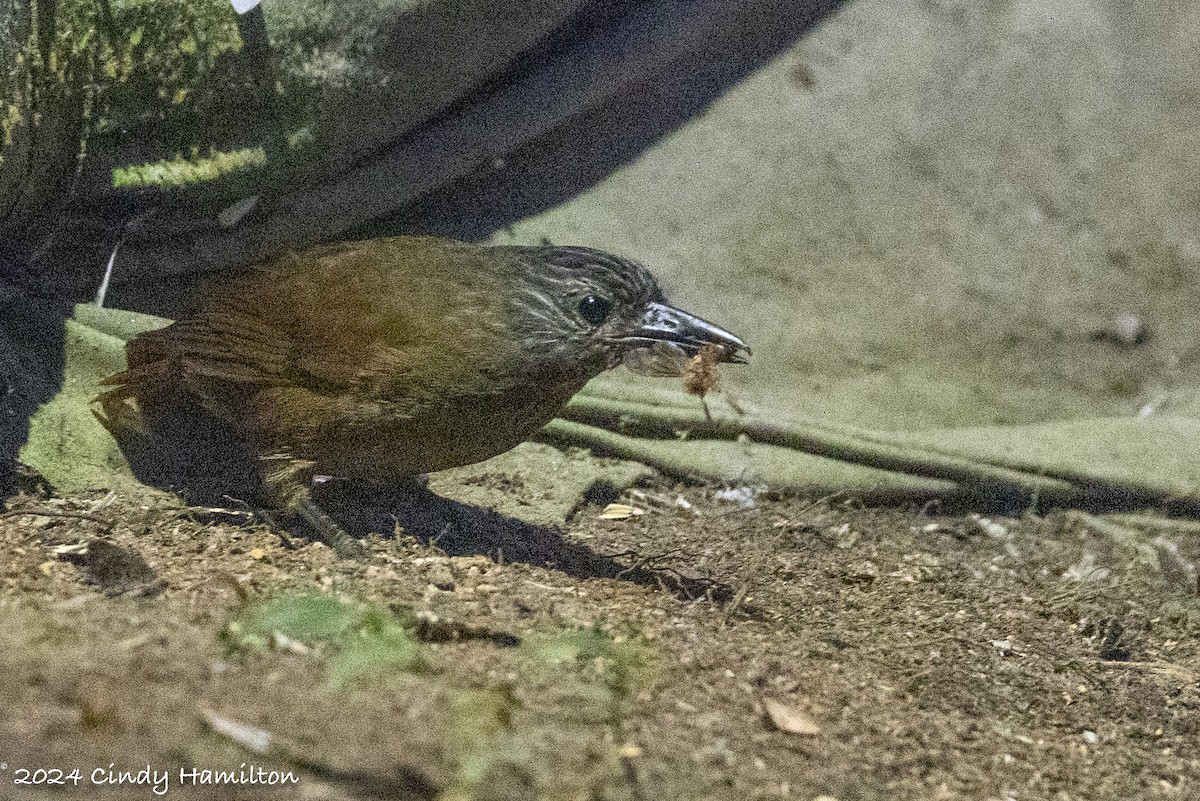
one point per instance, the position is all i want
(288, 483)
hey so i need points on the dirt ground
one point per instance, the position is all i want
(704, 649)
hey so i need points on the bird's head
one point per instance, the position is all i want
(588, 311)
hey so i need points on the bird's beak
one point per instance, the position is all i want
(663, 323)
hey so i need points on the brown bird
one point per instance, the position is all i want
(391, 358)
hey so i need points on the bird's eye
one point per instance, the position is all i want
(594, 309)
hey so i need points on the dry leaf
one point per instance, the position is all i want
(249, 737)
(788, 718)
(620, 511)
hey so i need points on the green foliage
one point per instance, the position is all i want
(310, 618)
(321, 45)
(600, 672)
(365, 642)
(380, 646)
(183, 171)
(114, 63)
(161, 57)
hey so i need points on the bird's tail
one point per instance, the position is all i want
(151, 376)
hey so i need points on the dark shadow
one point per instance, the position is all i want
(589, 99)
(179, 448)
(459, 529)
(1011, 501)
(206, 463)
(32, 347)
(551, 169)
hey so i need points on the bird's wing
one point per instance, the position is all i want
(339, 321)
(217, 358)
(230, 352)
